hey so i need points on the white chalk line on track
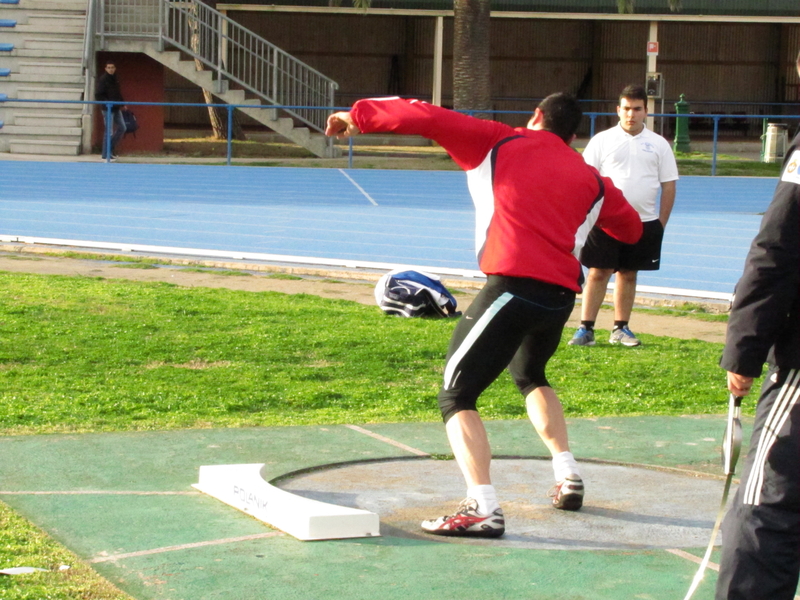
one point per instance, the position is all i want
(114, 557)
(244, 538)
(360, 189)
(387, 440)
(691, 557)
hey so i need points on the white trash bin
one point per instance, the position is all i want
(775, 143)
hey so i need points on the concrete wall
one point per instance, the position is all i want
(368, 55)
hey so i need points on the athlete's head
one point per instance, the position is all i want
(558, 113)
(632, 109)
(633, 92)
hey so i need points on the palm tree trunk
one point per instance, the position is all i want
(471, 54)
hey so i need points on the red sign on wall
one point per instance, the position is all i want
(652, 48)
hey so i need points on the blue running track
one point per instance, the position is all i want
(422, 218)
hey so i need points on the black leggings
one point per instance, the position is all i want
(513, 322)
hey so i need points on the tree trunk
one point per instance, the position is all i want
(471, 54)
(218, 116)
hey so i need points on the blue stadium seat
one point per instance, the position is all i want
(5, 72)
(8, 23)
(6, 47)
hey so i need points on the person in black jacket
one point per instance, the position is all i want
(761, 532)
(108, 90)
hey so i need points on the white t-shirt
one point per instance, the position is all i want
(637, 164)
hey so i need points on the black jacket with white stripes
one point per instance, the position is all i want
(764, 323)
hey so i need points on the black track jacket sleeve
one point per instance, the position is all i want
(764, 323)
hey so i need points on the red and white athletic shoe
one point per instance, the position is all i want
(468, 523)
(568, 493)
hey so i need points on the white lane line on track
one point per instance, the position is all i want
(360, 189)
(691, 557)
(387, 440)
(245, 538)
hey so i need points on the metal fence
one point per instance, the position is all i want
(235, 53)
(323, 112)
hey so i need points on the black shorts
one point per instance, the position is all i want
(601, 251)
(513, 322)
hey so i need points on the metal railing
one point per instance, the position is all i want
(325, 111)
(235, 53)
(87, 61)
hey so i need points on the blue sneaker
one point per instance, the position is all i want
(582, 337)
(624, 336)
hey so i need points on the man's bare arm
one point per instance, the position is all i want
(668, 190)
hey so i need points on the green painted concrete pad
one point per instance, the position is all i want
(389, 568)
(136, 497)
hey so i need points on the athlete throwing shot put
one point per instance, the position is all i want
(535, 200)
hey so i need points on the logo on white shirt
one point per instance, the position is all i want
(648, 147)
(792, 171)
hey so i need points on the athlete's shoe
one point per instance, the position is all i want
(467, 522)
(582, 337)
(624, 336)
(568, 493)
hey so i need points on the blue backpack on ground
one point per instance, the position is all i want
(414, 294)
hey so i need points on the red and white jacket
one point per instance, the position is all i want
(535, 198)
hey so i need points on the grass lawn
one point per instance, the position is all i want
(83, 354)
(65, 576)
(699, 163)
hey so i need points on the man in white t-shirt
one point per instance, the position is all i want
(641, 164)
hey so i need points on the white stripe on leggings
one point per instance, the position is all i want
(787, 398)
(450, 374)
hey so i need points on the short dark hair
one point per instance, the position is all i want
(634, 92)
(561, 114)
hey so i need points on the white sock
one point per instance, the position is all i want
(486, 498)
(564, 464)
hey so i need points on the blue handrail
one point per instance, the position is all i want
(229, 107)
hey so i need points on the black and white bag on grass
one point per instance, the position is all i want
(408, 293)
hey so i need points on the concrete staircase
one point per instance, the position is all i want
(41, 47)
(41, 58)
(184, 66)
